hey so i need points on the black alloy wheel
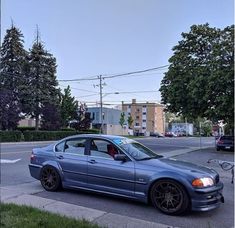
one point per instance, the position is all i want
(50, 178)
(169, 197)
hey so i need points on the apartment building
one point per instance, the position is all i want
(148, 117)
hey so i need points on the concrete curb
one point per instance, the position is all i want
(20, 195)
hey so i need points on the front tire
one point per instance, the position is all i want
(169, 197)
(50, 179)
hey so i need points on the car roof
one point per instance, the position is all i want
(101, 136)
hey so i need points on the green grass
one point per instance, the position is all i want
(133, 137)
(15, 216)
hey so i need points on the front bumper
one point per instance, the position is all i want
(208, 198)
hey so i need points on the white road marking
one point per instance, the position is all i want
(18, 152)
(7, 161)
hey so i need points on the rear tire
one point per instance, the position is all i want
(50, 179)
(217, 148)
(169, 197)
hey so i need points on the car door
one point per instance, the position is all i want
(105, 173)
(70, 154)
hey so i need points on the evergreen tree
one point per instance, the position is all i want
(41, 81)
(12, 67)
(9, 110)
(69, 107)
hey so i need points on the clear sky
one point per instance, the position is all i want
(93, 37)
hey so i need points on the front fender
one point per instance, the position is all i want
(178, 177)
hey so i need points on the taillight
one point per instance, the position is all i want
(220, 142)
(32, 157)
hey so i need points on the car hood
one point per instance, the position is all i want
(174, 165)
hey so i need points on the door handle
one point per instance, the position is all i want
(60, 156)
(92, 161)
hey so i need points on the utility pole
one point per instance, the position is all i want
(101, 104)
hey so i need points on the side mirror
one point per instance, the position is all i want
(120, 157)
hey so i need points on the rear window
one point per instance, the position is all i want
(227, 138)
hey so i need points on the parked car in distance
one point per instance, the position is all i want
(225, 142)
(156, 134)
(122, 167)
(180, 134)
(170, 134)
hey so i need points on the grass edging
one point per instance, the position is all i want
(24, 216)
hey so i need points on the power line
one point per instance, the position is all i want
(77, 89)
(112, 76)
(116, 93)
(78, 79)
(147, 91)
(136, 72)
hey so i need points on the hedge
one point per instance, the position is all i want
(10, 136)
(29, 135)
(46, 135)
(23, 128)
(91, 131)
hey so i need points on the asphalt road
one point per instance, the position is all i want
(17, 173)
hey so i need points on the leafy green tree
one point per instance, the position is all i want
(199, 81)
(122, 119)
(130, 121)
(41, 81)
(206, 128)
(13, 57)
(69, 107)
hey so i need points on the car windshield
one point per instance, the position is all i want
(136, 150)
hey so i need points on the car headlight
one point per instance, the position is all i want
(203, 182)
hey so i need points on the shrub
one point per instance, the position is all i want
(23, 128)
(91, 131)
(10, 136)
(67, 129)
(47, 135)
(29, 135)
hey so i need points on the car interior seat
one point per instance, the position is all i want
(111, 150)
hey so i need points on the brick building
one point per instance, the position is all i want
(148, 117)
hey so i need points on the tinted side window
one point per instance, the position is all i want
(102, 148)
(60, 147)
(75, 146)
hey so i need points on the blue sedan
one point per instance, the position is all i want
(123, 167)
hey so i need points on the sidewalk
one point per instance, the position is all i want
(24, 195)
